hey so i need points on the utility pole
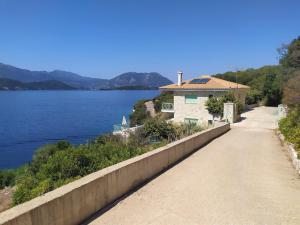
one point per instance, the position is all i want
(237, 85)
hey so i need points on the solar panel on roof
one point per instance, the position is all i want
(200, 81)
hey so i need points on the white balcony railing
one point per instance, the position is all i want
(120, 127)
(167, 107)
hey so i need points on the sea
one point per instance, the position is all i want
(31, 119)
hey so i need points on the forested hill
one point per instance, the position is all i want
(9, 84)
(152, 80)
(139, 79)
(266, 82)
(273, 84)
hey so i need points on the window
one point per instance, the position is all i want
(190, 120)
(191, 99)
(210, 96)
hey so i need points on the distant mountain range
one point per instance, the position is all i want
(9, 84)
(16, 79)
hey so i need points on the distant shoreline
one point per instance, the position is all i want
(112, 89)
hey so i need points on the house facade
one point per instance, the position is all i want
(190, 97)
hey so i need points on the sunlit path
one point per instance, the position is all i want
(243, 177)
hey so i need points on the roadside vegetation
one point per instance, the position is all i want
(57, 164)
(271, 86)
(290, 126)
(254, 97)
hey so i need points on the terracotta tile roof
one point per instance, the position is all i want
(213, 83)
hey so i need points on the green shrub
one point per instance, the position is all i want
(7, 178)
(290, 128)
(215, 105)
(186, 129)
(253, 97)
(57, 164)
(140, 114)
(272, 90)
(159, 128)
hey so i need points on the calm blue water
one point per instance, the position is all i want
(30, 119)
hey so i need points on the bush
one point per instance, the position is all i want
(159, 128)
(57, 164)
(7, 178)
(140, 114)
(272, 90)
(186, 129)
(290, 128)
(253, 97)
(215, 105)
(291, 93)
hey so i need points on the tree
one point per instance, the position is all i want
(215, 105)
(140, 114)
(272, 90)
(253, 97)
(291, 93)
(7, 178)
(290, 54)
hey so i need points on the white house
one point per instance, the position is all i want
(190, 97)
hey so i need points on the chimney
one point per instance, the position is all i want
(179, 73)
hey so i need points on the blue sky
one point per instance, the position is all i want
(105, 38)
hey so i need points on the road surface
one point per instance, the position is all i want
(243, 177)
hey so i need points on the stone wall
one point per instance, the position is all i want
(75, 202)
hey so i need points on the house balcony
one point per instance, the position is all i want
(120, 127)
(167, 107)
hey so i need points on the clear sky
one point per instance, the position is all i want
(103, 38)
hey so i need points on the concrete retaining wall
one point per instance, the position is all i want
(282, 111)
(291, 151)
(74, 202)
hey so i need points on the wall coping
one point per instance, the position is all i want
(291, 150)
(30, 205)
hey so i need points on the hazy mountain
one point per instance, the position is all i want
(72, 79)
(81, 82)
(139, 79)
(9, 84)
